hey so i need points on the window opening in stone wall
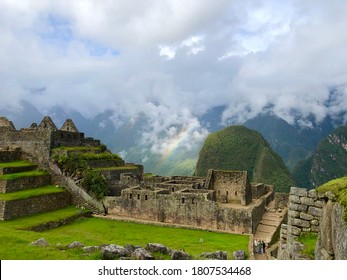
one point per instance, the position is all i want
(193, 200)
(146, 197)
(218, 192)
(138, 196)
(235, 192)
(173, 189)
(227, 193)
(182, 200)
(131, 196)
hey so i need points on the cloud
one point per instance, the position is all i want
(173, 60)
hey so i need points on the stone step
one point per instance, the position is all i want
(17, 169)
(269, 223)
(20, 208)
(24, 182)
(266, 228)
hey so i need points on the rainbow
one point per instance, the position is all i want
(174, 143)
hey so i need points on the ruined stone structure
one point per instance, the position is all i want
(310, 211)
(38, 140)
(222, 201)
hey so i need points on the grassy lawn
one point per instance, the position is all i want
(117, 168)
(24, 194)
(309, 240)
(15, 164)
(14, 243)
(23, 174)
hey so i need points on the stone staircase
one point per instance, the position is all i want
(270, 223)
(25, 190)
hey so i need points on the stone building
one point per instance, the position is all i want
(221, 201)
(38, 140)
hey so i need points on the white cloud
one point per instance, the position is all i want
(166, 58)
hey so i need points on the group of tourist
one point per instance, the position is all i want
(259, 246)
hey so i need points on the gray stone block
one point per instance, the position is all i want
(314, 222)
(312, 193)
(318, 203)
(297, 207)
(301, 223)
(306, 217)
(293, 214)
(298, 191)
(315, 211)
(294, 199)
(307, 201)
(295, 230)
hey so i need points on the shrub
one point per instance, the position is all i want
(94, 183)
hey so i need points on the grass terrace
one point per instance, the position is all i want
(14, 243)
(24, 194)
(18, 163)
(23, 174)
(309, 240)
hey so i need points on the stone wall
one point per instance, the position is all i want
(310, 211)
(20, 208)
(332, 235)
(79, 196)
(230, 186)
(195, 209)
(24, 183)
(9, 155)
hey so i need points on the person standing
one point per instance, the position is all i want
(263, 245)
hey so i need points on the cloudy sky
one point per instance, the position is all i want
(175, 59)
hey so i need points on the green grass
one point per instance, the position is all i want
(14, 243)
(339, 188)
(23, 174)
(18, 163)
(309, 240)
(24, 194)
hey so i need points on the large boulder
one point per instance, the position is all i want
(239, 255)
(142, 254)
(156, 247)
(113, 252)
(179, 255)
(40, 243)
(218, 255)
(74, 245)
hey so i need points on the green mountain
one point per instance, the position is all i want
(240, 148)
(329, 161)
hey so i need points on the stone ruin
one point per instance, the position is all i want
(224, 200)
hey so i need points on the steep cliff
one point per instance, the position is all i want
(329, 161)
(240, 148)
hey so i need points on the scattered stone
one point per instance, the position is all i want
(91, 249)
(112, 252)
(179, 255)
(218, 255)
(75, 244)
(239, 255)
(40, 243)
(156, 247)
(142, 254)
(131, 248)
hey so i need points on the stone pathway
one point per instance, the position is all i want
(267, 227)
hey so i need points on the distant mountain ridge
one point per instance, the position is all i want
(240, 148)
(291, 141)
(329, 161)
